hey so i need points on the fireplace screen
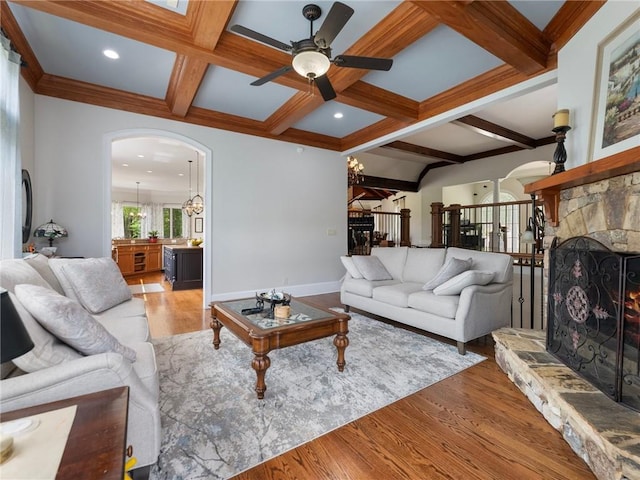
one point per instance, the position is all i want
(594, 315)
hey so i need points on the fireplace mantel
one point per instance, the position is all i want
(548, 189)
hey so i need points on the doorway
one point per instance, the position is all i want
(153, 173)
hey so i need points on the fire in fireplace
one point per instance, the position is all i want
(594, 315)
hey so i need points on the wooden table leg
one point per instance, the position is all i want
(260, 364)
(341, 342)
(215, 326)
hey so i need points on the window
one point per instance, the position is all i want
(172, 222)
(509, 224)
(132, 221)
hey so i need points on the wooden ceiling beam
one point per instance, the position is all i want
(32, 70)
(568, 20)
(387, 104)
(388, 184)
(208, 20)
(496, 26)
(292, 111)
(424, 151)
(497, 132)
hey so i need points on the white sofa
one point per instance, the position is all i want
(476, 311)
(53, 370)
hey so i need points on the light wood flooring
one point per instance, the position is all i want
(473, 425)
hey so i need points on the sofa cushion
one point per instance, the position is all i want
(423, 264)
(393, 259)
(96, 283)
(452, 267)
(397, 295)
(14, 271)
(47, 350)
(443, 305)
(126, 329)
(41, 264)
(371, 268)
(68, 321)
(363, 287)
(350, 266)
(131, 308)
(471, 277)
(499, 263)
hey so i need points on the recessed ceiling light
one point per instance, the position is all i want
(112, 54)
(338, 115)
(181, 174)
(125, 164)
(149, 171)
(140, 155)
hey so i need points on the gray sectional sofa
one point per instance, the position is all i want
(422, 288)
(79, 300)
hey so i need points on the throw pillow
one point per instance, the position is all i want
(41, 264)
(47, 350)
(371, 267)
(351, 267)
(471, 277)
(452, 267)
(67, 320)
(96, 282)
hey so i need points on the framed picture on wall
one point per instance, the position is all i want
(198, 225)
(616, 123)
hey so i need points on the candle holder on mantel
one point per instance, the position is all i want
(560, 128)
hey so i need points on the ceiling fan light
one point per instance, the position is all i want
(311, 64)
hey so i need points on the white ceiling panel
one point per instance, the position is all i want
(228, 91)
(177, 6)
(322, 120)
(425, 68)
(76, 53)
(540, 12)
(454, 139)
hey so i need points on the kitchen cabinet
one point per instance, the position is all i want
(183, 267)
(138, 258)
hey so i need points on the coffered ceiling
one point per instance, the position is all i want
(179, 60)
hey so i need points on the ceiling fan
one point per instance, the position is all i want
(312, 56)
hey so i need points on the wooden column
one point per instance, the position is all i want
(405, 235)
(436, 225)
(455, 225)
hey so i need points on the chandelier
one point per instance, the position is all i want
(197, 202)
(187, 206)
(354, 170)
(139, 212)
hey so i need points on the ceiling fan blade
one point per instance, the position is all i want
(247, 32)
(336, 19)
(370, 63)
(325, 87)
(272, 75)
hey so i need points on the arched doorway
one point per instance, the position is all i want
(151, 174)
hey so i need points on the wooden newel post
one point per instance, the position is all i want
(436, 224)
(405, 235)
(454, 215)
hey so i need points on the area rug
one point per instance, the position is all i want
(146, 288)
(214, 427)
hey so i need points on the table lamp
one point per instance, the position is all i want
(50, 230)
(14, 342)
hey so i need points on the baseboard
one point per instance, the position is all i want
(295, 290)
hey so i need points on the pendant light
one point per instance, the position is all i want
(187, 206)
(197, 202)
(139, 213)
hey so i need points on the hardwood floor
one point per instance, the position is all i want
(473, 425)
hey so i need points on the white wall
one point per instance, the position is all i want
(577, 77)
(272, 206)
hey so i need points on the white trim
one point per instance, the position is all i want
(107, 140)
(295, 290)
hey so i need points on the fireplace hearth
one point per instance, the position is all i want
(594, 316)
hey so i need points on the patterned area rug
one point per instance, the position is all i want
(214, 427)
(146, 288)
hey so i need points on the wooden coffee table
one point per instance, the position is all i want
(307, 322)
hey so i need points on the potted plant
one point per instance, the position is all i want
(153, 236)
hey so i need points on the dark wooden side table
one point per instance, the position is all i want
(97, 441)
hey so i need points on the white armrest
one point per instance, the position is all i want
(484, 308)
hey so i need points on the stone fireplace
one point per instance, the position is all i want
(599, 201)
